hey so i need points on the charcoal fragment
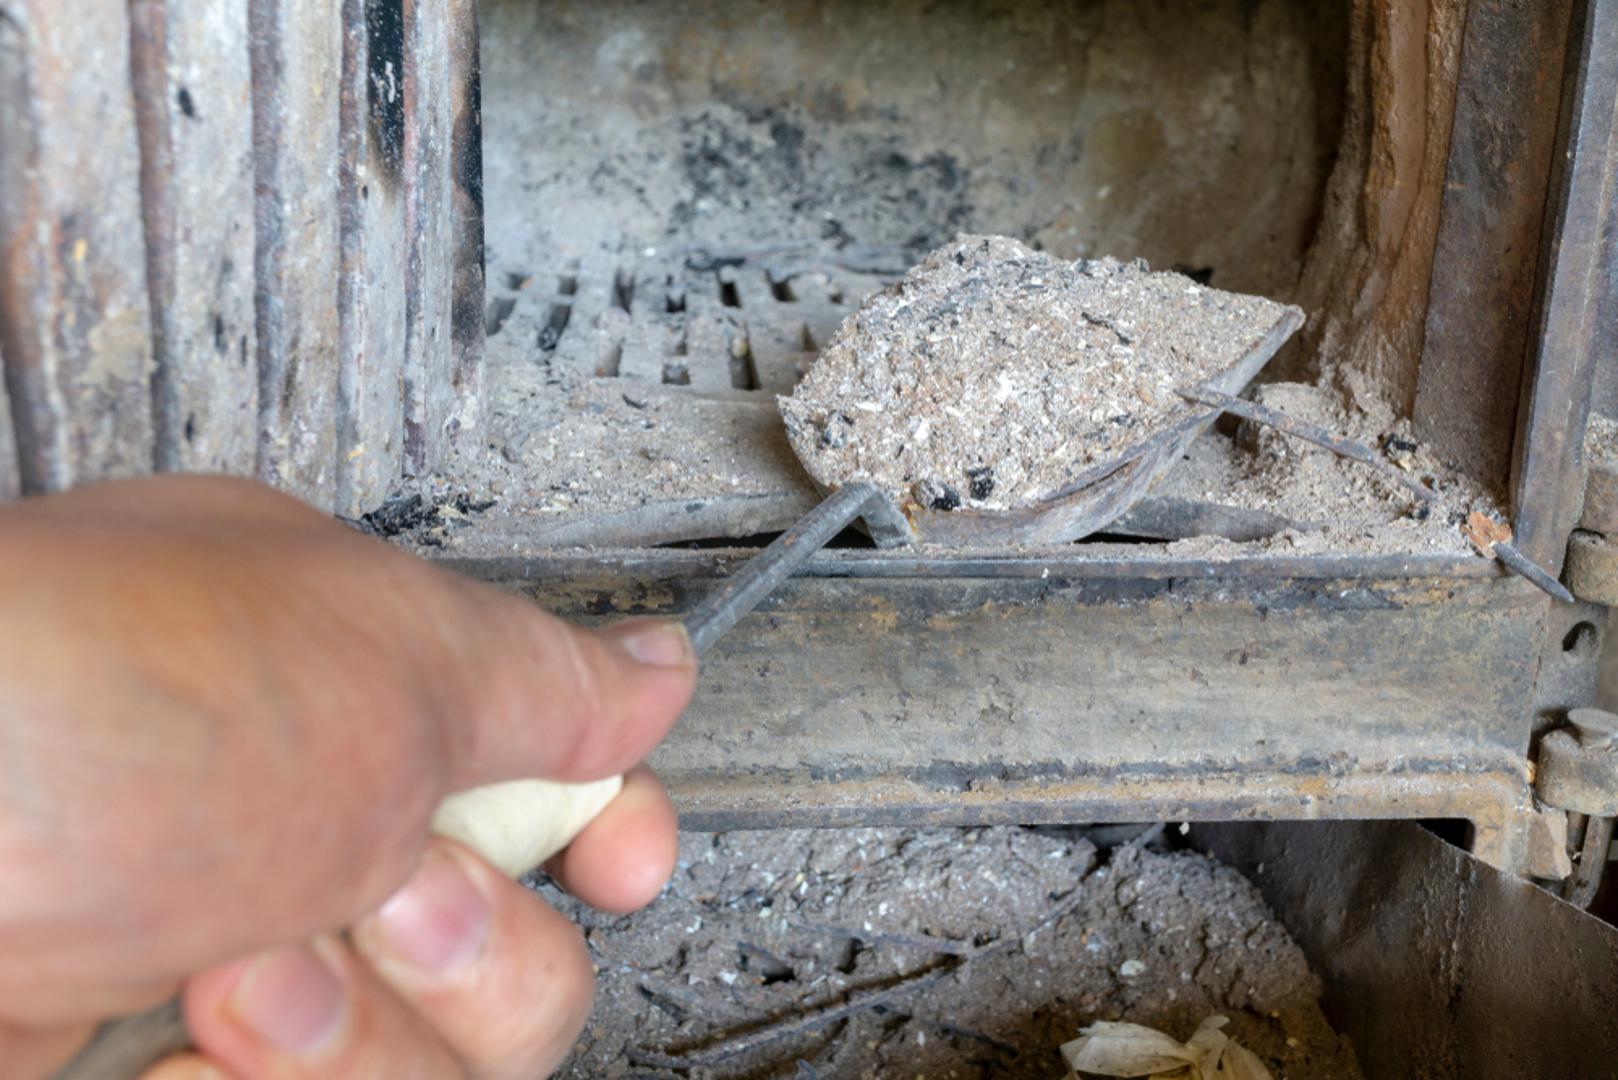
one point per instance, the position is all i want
(1394, 444)
(936, 495)
(399, 514)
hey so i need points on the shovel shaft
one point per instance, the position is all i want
(740, 593)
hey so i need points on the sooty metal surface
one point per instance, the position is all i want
(1435, 964)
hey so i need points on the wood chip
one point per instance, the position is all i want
(1485, 532)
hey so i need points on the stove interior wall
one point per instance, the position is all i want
(1191, 134)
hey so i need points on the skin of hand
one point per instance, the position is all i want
(225, 720)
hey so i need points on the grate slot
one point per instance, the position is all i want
(500, 310)
(550, 335)
(561, 310)
(660, 322)
(729, 296)
(596, 326)
(743, 372)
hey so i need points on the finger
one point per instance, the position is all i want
(36, 1004)
(310, 1012)
(28, 1052)
(206, 714)
(503, 979)
(169, 500)
(540, 697)
(622, 859)
(303, 697)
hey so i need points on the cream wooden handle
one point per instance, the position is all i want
(515, 826)
(519, 824)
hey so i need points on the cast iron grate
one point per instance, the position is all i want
(716, 325)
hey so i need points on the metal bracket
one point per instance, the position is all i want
(1592, 549)
(1577, 768)
(1600, 497)
(1592, 567)
(1577, 771)
(1548, 856)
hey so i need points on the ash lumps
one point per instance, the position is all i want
(1000, 374)
(418, 519)
(982, 482)
(935, 495)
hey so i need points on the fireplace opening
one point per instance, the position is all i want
(661, 144)
(685, 200)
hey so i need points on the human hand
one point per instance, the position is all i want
(224, 723)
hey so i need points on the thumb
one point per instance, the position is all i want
(540, 697)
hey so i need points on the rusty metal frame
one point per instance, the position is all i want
(1480, 299)
(1578, 303)
(1052, 685)
(1432, 964)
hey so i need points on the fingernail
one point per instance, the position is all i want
(291, 1000)
(660, 645)
(438, 923)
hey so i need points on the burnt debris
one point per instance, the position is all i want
(982, 482)
(936, 495)
(418, 519)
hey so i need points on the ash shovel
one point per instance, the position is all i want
(520, 824)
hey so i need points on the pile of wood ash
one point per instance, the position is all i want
(995, 376)
(937, 953)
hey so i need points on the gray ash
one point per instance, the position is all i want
(757, 928)
(739, 159)
(990, 351)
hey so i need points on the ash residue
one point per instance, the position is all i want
(1338, 505)
(561, 443)
(559, 447)
(1601, 440)
(619, 126)
(994, 360)
(757, 928)
(775, 158)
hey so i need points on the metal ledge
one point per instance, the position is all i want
(1147, 562)
(1044, 687)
